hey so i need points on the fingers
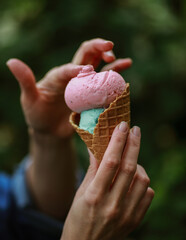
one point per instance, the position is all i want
(118, 65)
(144, 205)
(90, 52)
(108, 56)
(92, 159)
(128, 165)
(57, 78)
(132, 217)
(98, 44)
(138, 188)
(95, 50)
(24, 76)
(111, 160)
(91, 172)
(68, 71)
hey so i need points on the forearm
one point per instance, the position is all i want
(51, 177)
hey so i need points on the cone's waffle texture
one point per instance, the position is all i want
(118, 111)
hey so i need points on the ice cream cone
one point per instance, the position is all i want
(118, 111)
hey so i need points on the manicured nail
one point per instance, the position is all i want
(136, 131)
(110, 42)
(7, 63)
(123, 126)
(110, 54)
(106, 41)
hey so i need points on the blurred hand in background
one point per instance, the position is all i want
(43, 102)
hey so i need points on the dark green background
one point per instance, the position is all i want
(152, 32)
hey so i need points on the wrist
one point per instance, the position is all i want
(45, 138)
(48, 146)
(54, 165)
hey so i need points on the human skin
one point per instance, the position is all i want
(47, 117)
(113, 198)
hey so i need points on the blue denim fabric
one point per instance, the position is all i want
(19, 219)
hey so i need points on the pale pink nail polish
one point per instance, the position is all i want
(123, 127)
(136, 131)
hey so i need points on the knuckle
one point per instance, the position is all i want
(129, 169)
(92, 198)
(112, 213)
(112, 162)
(84, 44)
(144, 179)
(141, 168)
(134, 141)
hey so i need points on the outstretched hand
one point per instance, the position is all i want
(113, 199)
(43, 102)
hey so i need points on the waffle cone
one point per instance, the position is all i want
(118, 111)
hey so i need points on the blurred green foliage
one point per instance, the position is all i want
(46, 33)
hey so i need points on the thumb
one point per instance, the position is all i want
(93, 167)
(58, 77)
(92, 159)
(91, 172)
(24, 76)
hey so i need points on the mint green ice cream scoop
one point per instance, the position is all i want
(89, 119)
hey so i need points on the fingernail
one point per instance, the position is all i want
(123, 126)
(106, 41)
(7, 63)
(130, 60)
(136, 131)
(110, 53)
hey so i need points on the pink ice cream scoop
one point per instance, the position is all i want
(93, 90)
